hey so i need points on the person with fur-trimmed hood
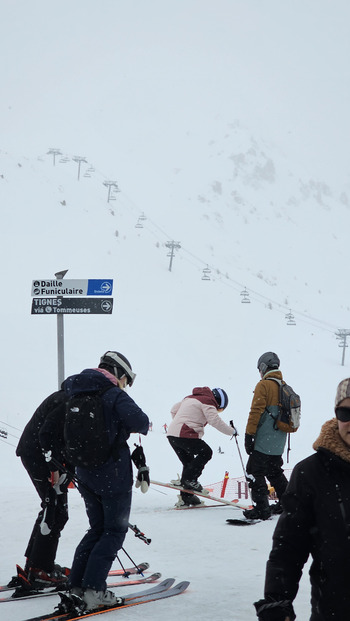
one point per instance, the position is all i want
(186, 431)
(316, 521)
(264, 443)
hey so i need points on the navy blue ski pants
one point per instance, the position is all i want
(108, 516)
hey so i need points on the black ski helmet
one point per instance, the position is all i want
(268, 360)
(120, 365)
(221, 397)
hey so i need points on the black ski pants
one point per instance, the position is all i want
(194, 454)
(41, 549)
(260, 466)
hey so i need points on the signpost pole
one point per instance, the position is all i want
(60, 339)
(60, 349)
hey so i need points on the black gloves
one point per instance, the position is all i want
(271, 610)
(249, 443)
(138, 457)
(48, 458)
(139, 460)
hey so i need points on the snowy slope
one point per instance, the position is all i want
(225, 564)
(225, 124)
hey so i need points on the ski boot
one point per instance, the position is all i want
(195, 486)
(99, 599)
(276, 508)
(17, 581)
(188, 501)
(261, 510)
(40, 579)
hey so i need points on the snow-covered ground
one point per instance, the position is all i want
(223, 123)
(225, 564)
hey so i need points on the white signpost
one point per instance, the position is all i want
(73, 297)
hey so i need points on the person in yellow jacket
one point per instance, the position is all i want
(264, 443)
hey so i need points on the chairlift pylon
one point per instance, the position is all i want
(291, 321)
(206, 272)
(245, 296)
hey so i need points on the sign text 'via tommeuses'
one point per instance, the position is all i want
(72, 306)
(72, 287)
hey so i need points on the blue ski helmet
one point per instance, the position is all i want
(221, 397)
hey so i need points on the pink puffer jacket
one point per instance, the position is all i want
(194, 412)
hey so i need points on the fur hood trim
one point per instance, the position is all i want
(330, 440)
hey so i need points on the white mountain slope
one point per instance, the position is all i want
(179, 329)
(226, 124)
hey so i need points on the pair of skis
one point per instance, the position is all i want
(46, 592)
(161, 591)
(26, 592)
(229, 503)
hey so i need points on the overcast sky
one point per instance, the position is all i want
(124, 81)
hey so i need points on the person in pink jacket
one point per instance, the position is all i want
(185, 433)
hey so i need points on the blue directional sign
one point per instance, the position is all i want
(100, 287)
(69, 287)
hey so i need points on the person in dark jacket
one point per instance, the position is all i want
(106, 489)
(40, 569)
(264, 443)
(316, 521)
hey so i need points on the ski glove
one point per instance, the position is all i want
(48, 458)
(271, 610)
(234, 430)
(138, 457)
(62, 484)
(143, 479)
(249, 443)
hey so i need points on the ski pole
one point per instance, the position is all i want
(74, 477)
(139, 534)
(126, 573)
(244, 470)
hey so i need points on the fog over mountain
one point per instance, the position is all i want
(224, 126)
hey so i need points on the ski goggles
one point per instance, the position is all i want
(343, 414)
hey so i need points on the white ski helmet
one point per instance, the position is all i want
(120, 365)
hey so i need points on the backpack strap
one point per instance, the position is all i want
(280, 383)
(275, 379)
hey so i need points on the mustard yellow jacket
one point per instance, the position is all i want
(262, 415)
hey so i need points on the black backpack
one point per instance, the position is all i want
(87, 441)
(288, 418)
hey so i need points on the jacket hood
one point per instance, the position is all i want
(204, 395)
(330, 440)
(88, 380)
